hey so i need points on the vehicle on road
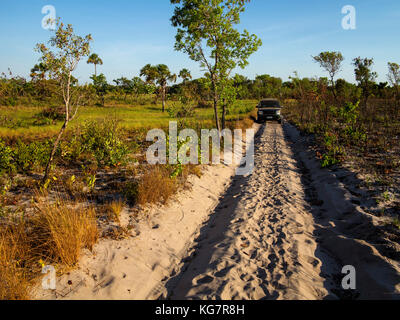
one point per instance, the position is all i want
(269, 109)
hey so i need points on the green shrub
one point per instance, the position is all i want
(355, 135)
(72, 149)
(12, 123)
(349, 112)
(6, 159)
(49, 116)
(28, 157)
(103, 139)
(131, 191)
(330, 140)
(180, 111)
(10, 102)
(328, 160)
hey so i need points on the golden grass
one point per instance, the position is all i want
(14, 277)
(156, 186)
(114, 210)
(63, 231)
(54, 235)
(193, 169)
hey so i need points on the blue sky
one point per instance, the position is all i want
(131, 33)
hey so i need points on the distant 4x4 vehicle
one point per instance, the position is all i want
(269, 109)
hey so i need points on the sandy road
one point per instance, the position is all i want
(284, 232)
(259, 243)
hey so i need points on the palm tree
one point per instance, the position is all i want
(185, 75)
(96, 60)
(149, 72)
(161, 75)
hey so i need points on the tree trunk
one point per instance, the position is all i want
(163, 99)
(64, 127)
(95, 70)
(223, 115)
(53, 152)
(215, 97)
(334, 89)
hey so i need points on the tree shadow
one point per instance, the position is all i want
(345, 231)
(213, 231)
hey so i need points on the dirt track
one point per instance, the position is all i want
(272, 237)
(284, 232)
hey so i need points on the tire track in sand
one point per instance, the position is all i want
(259, 242)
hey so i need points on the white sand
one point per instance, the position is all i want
(134, 268)
(256, 237)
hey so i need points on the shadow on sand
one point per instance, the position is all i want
(345, 233)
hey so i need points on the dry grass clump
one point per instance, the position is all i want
(14, 253)
(62, 232)
(54, 235)
(193, 169)
(114, 209)
(244, 124)
(156, 186)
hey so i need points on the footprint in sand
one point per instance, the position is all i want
(204, 280)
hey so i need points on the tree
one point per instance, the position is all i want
(164, 76)
(38, 75)
(38, 72)
(61, 59)
(100, 85)
(125, 85)
(365, 76)
(161, 75)
(394, 76)
(149, 72)
(267, 86)
(331, 62)
(228, 97)
(139, 86)
(242, 86)
(95, 59)
(205, 31)
(185, 75)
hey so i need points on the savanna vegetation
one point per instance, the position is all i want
(356, 126)
(72, 155)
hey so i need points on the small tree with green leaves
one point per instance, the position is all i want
(161, 75)
(100, 85)
(331, 62)
(96, 60)
(61, 60)
(205, 31)
(125, 85)
(394, 76)
(365, 76)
